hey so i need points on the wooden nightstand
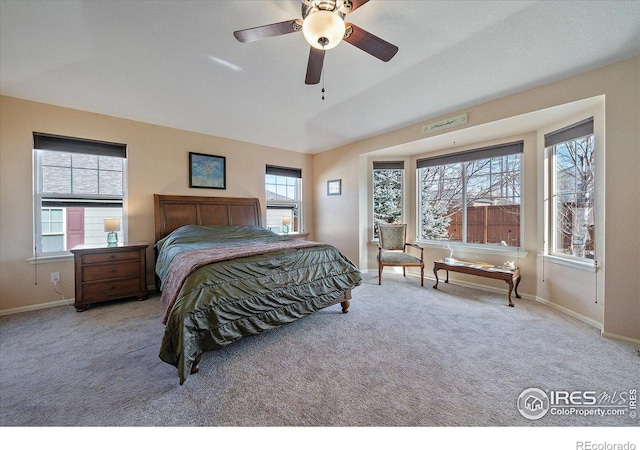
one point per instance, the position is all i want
(104, 273)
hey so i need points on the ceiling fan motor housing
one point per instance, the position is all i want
(342, 7)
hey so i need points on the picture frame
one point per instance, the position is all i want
(334, 187)
(207, 171)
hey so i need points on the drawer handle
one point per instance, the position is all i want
(112, 271)
(112, 256)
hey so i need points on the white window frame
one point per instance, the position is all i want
(288, 208)
(462, 158)
(551, 217)
(380, 166)
(44, 143)
(52, 233)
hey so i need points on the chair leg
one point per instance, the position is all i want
(379, 274)
(422, 275)
(404, 271)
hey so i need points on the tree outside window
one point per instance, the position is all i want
(387, 193)
(440, 200)
(570, 190)
(574, 180)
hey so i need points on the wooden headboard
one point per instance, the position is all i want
(174, 211)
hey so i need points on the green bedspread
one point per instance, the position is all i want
(221, 302)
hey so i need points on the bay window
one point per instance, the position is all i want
(471, 197)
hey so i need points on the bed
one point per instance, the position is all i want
(223, 276)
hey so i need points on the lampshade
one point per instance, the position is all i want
(111, 225)
(286, 220)
(323, 29)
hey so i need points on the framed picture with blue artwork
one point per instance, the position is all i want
(207, 171)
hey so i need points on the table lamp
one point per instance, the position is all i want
(111, 226)
(286, 220)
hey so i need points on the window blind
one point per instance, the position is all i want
(43, 141)
(575, 131)
(284, 171)
(389, 165)
(472, 155)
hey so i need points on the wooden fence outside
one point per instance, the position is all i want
(488, 224)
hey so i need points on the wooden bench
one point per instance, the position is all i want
(511, 276)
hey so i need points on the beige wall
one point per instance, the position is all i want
(157, 163)
(569, 289)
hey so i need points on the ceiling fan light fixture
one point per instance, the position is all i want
(323, 29)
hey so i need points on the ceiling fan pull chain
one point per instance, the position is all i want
(322, 75)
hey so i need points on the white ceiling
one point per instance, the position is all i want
(177, 64)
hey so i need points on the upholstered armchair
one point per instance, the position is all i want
(392, 250)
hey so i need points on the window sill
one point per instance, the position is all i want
(511, 252)
(587, 265)
(295, 235)
(50, 259)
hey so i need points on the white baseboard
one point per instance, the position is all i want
(67, 301)
(623, 339)
(21, 309)
(570, 312)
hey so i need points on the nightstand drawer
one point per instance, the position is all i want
(110, 271)
(93, 258)
(115, 289)
(104, 272)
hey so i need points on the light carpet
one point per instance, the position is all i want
(404, 355)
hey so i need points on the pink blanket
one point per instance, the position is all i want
(187, 262)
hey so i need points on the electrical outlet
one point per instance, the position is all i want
(55, 277)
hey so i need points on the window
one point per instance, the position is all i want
(283, 187)
(78, 184)
(472, 197)
(570, 153)
(387, 193)
(52, 229)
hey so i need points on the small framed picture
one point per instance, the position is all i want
(334, 187)
(207, 171)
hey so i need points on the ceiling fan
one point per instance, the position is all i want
(323, 26)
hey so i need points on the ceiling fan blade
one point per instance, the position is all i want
(355, 4)
(265, 31)
(314, 66)
(370, 43)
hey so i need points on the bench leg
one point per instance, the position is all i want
(510, 283)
